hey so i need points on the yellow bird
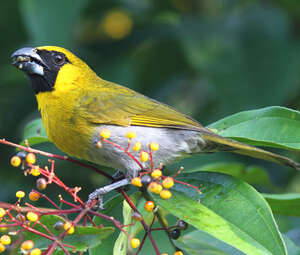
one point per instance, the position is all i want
(76, 104)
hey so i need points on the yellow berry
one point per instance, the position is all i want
(35, 251)
(168, 182)
(70, 229)
(164, 254)
(31, 216)
(35, 171)
(154, 146)
(136, 182)
(130, 135)
(3, 229)
(34, 196)
(135, 242)
(5, 240)
(149, 206)
(137, 146)
(144, 156)
(2, 248)
(30, 158)
(15, 161)
(155, 187)
(156, 174)
(20, 194)
(27, 245)
(178, 253)
(2, 212)
(105, 133)
(165, 194)
(41, 183)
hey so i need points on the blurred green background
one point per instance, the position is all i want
(208, 58)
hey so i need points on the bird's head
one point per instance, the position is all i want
(50, 68)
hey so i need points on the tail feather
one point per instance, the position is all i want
(244, 149)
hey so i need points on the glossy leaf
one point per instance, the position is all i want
(34, 133)
(112, 208)
(120, 247)
(292, 248)
(200, 243)
(82, 239)
(284, 204)
(255, 175)
(271, 126)
(228, 209)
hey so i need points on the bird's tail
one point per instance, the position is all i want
(224, 144)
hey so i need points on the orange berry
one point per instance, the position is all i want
(168, 182)
(137, 146)
(165, 194)
(156, 174)
(41, 183)
(149, 206)
(144, 156)
(137, 216)
(15, 161)
(2, 212)
(35, 251)
(130, 135)
(69, 228)
(30, 158)
(135, 242)
(154, 146)
(137, 182)
(5, 240)
(2, 248)
(155, 187)
(27, 245)
(34, 196)
(178, 253)
(31, 216)
(20, 194)
(105, 133)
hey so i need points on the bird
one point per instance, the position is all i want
(76, 105)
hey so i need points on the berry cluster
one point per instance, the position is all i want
(150, 179)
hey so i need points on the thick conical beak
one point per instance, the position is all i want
(28, 60)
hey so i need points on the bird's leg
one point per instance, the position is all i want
(99, 193)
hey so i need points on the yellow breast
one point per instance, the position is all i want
(65, 127)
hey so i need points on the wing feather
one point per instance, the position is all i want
(113, 104)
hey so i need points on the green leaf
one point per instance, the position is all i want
(255, 175)
(120, 247)
(228, 209)
(57, 30)
(112, 208)
(271, 126)
(284, 204)
(200, 243)
(292, 248)
(35, 133)
(82, 239)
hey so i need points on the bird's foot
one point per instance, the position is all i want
(117, 176)
(99, 193)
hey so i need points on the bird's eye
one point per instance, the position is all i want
(59, 59)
